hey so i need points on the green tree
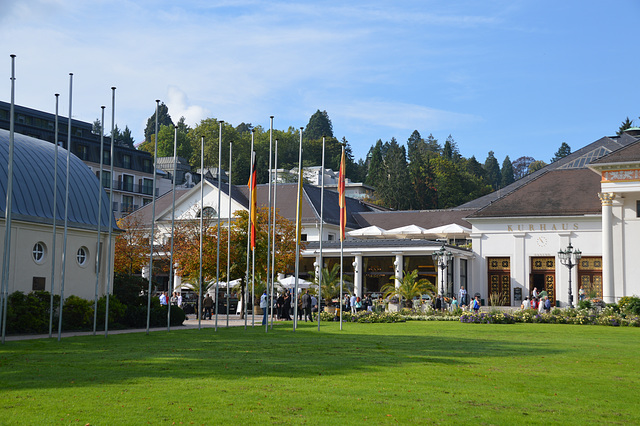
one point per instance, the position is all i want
(331, 283)
(164, 119)
(396, 185)
(562, 152)
(166, 136)
(507, 173)
(521, 166)
(319, 125)
(410, 287)
(450, 150)
(127, 138)
(626, 124)
(536, 165)
(96, 127)
(492, 171)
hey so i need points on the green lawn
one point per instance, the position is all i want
(414, 372)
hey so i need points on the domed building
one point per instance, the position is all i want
(32, 219)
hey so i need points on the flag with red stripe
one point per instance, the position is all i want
(341, 200)
(253, 203)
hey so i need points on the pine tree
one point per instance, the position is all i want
(164, 119)
(507, 173)
(562, 152)
(319, 125)
(492, 171)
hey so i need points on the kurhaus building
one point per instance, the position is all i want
(505, 243)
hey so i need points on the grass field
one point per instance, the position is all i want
(408, 373)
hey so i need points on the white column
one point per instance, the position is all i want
(398, 269)
(357, 275)
(608, 291)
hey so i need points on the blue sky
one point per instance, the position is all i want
(515, 77)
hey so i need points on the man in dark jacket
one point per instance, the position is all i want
(306, 306)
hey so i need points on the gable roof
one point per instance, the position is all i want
(578, 159)
(554, 193)
(629, 153)
(424, 218)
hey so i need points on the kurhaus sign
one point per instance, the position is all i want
(621, 175)
(543, 227)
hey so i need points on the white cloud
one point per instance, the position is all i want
(179, 106)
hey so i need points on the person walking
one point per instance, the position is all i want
(306, 306)
(208, 305)
(264, 305)
(463, 296)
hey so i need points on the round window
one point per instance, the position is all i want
(39, 251)
(81, 256)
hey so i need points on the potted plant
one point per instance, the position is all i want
(410, 287)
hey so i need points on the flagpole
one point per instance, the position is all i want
(66, 209)
(219, 200)
(343, 222)
(253, 287)
(173, 219)
(298, 226)
(321, 232)
(201, 223)
(98, 265)
(229, 232)
(153, 219)
(4, 289)
(269, 216)
(55, 218)
(109, 243)
(273, 252)
(246, 281)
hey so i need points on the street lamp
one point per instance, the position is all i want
(570, 258)
(443, 257)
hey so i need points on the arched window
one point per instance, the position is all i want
(39, 251)
(81, 256)
(208, 212)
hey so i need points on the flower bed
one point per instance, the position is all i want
(557, 316)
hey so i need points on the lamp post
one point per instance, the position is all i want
(570, 258)
(443, 257)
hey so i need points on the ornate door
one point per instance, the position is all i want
(590, 277)
(500, 280)
(543, 276)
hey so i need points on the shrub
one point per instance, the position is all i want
(116, 312)
(632, 306)
(29, 313)
(77, 314)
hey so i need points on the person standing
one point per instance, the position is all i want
(280, 306)
(306, 306)
(286, 306)
(352, 303)
(463, 296)
(454, 304)
(163, 299)
(208, 305)
(179, 299)
(264, 305)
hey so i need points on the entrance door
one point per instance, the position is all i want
(543, 276)
(590, 277)
(499, 281)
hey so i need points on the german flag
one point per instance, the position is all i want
(341, 200)
(253, 204)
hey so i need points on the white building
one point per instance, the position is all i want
(32, 245)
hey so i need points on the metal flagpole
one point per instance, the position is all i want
(173, 219)
(273, 252)
(66, 209)
(321, 232)
(298, 226)
(253, 287)
(109, 243)
(4, 289)
(217, 301)
(201, 226)
(269, 213)
(343, 220)
(55, 219)
(246, 282)
(153, 219)
(98, 251)
(229, 231)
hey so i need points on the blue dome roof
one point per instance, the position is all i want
(33, 173)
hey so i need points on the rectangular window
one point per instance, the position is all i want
(106, 155)
(147, 186)
(83, 152)
(106, 179)
(38, 283)
(127, 183)
(127, 203)
(146, 165)
(332, 237)
(126, 161)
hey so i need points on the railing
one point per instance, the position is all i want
(132, 187)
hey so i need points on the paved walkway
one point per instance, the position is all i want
(234, 321)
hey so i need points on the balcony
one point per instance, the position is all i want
(133, 188)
